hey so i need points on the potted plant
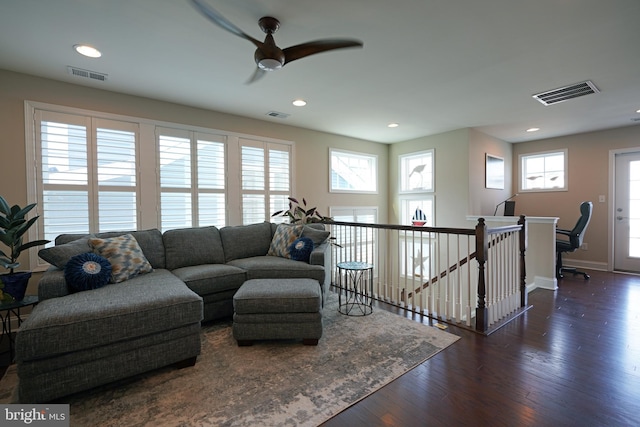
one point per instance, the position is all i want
(299, 214)
(13, 226)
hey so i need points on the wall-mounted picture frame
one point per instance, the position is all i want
(494, 172)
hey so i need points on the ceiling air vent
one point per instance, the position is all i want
(278, 114)
(566, 93)
(94, 75)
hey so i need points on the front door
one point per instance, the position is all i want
(627, 213)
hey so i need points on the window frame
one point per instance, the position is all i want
(194, 190)
(403, 160)
(373, 172)
(522, 158)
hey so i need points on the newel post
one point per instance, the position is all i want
(482, 248)
(523, 264)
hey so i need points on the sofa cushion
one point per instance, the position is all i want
(60, 254)
(244, 241)
(284, 236)
(278, 296)
(87, 271)
(192, 246)
(123, 252)
(144, 305)
(316, 233)
(211, 278)
(150, 242)
(272, 267)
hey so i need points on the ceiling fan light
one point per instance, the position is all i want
(269, 64)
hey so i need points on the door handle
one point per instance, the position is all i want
(620, 218)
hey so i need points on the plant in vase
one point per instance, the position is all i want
(13, 226)
(298, 213)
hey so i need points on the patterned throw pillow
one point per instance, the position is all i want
(123, 252)
(283, 238)
(87, 271)
(300, 249)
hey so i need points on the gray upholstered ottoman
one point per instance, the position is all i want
(278, 309)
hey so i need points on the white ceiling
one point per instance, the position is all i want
(430, 65)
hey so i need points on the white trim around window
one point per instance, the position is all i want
(351, 172)
(416, 172)
(544, 171)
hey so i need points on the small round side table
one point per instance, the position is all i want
(13, 308)
(355, 280)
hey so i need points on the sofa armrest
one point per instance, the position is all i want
(52, 284)
(321, 255)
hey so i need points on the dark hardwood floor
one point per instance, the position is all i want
(571, 360)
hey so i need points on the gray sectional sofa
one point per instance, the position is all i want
(73, 341)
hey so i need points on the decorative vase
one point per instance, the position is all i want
(16, 284)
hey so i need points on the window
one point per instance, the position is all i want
(544, 171)
(358, 244)
(97, 172)
(88, 179)
(416, 172)
(409, 204)
(192, 178)
(266, 180)
(417, 187)
(415, 250)
(353, 172)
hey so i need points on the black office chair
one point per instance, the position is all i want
(572, 240)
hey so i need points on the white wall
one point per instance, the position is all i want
(451, 154)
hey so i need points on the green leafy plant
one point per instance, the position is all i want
(300, 214)
(13, 226)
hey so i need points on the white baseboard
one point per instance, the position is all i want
(590, 265)
(550, 283)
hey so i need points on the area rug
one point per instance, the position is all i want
(272, 383)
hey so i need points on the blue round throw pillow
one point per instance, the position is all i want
(87, 271)
(300, 249)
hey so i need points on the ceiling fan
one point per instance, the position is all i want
(268, 55)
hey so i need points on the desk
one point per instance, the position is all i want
(9, 308)
(353, 278)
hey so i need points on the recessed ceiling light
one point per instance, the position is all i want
(87, 50)
(393, 125)
(637, 111)
(299, 102)
(533, 129)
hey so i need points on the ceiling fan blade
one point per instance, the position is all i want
(311, 48)
(223, 22)
(257, 75)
